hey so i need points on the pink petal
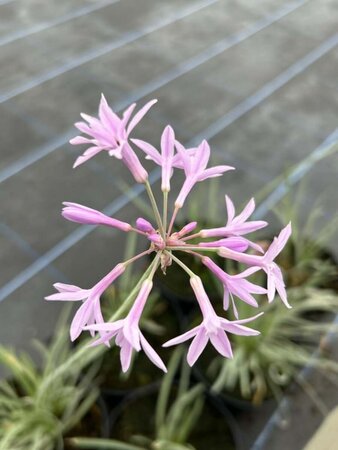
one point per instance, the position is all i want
(107, 326)
(226, 297)
(225, 322)
(83, 158)
(167, 142)
(80, 319)
(221, 343)
(230, 208)
(197, 346)
(62, 287)
(182, 338)
(152, 355)
(68, 296)
(216, 171)
(246, 213)
(107, 115)
(139, 116)
(241, 330)
(125, 355)
(78, 140)
(127, 114)
(149, 150)
(132, 335)
(278, 243)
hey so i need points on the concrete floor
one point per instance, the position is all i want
(257, 79)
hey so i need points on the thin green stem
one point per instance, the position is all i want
(155, 208)
(173, 220)
(138, 231)
(192, 236)
(163, 397)
(165, 210)
(155, 265)
(194, 247)
(136, 257)
(97, 443)
(184, 267)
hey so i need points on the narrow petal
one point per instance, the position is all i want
(182, 338)
(203, 157)
(197, 346)
(139, 115)
(152, 355)
(127, 114)
(230, 208)
(167, 142)
(240, 329)
(107, 115)
(125, 355)
(280, 286)
(226, 297)
(79, 140)
(278, 243)
(68, 296)
(216, 171)
(271, 286)
(63, 287)
(83, 158)
(246, 213)
(80, 319)
(221, 343)
(149, 150)
(131, 333)
(107, 326)
(225, 322)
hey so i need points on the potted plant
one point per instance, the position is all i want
(177, 417)
(32, 417)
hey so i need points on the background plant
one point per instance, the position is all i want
(35, 416)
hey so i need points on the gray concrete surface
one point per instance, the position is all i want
(258, 79)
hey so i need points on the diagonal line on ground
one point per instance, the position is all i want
(93, 54)
(191, 64)
(20, 34)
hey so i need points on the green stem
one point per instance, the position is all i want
(136, 257)
(163, 397)
(173, 218)
(165, 210)
(155, 208)
(194, 247)
(184, 267)
(96, 443)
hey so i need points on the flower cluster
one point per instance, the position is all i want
(110, 133)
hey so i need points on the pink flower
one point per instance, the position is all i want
(90, 311)
(236, 225)
(110, 133)
(144, 225)
(164, 159)
(194, 164)
(127, 334)
(266, 262)
(237, 243)
(82, 214)
(236, 285)
(212, 328)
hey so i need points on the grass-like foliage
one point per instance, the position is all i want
(263, 366)
(35, 416)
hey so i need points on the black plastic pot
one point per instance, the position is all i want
(223, 434)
